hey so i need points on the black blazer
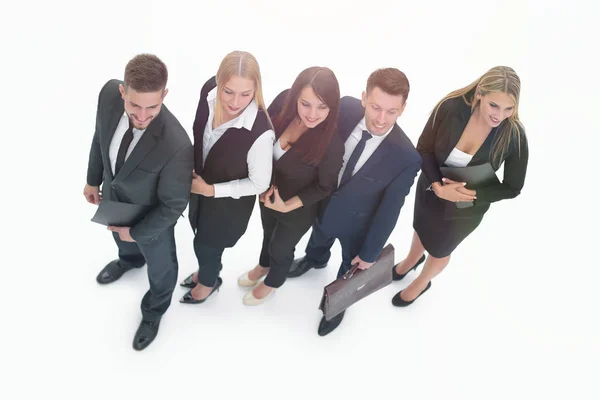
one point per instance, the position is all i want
(367, 206)
(158, 172)
(436, 143)
(293, 176)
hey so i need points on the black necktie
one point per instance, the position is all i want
(125, 142)
(355, 156)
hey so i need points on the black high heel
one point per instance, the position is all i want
(189, 299)
(398, 302)
(188, 282)
(397, 277)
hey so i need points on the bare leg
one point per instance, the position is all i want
(414, 254)
(433, 266)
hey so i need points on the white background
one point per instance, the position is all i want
(514, 316)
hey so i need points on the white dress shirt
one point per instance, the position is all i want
(260, 155)
(115, 143)
(370, 146)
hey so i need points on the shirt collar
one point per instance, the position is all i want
(127, 122)
(362, 125)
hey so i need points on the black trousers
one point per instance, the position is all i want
(318, 249)
(209, 262)
(161, 257)
(281, 234)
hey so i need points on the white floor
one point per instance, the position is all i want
(514, 316)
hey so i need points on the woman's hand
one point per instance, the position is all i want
(264, 194)
(199, 186)
(277, 204)
(453, 191)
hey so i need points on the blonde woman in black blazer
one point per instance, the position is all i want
(470, 126)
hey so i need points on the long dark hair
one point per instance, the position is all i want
(323, 81)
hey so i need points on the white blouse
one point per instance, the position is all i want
(278, 152)
(458, 158)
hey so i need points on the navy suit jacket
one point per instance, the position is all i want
(367, 206)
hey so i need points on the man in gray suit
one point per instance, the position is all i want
(142, 155)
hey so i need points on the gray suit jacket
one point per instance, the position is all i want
(158, 171)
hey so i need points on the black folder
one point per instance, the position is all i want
(476, 176)
(119, 214)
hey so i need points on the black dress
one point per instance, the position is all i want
(442, 226)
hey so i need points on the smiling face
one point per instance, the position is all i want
(495, 107)
(311, 109)
(381, 110)
(141, 107)
(236, 94)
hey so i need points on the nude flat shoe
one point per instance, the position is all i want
(250, 300)
(244, 281)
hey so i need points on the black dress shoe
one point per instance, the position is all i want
(188, 282)
(189, 299)
(398, 302)
(398, 277)
(326, 327)
(301, 265)
(111, 272)
(145, 334)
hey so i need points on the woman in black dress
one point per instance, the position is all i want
(470, 126)
(307, 156)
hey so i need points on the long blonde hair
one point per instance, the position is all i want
(243, 64)
(498, 79)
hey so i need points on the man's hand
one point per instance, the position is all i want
(123, 232)
(92, 194)
(361, 264)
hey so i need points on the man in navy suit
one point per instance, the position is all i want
(380, 166)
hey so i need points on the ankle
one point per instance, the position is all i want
(258, 272)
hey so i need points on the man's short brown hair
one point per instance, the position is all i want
(146, 73)
(391, 80)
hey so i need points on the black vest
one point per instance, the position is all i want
(220, 222)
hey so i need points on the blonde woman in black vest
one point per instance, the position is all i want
(233, 145)
(470, 126)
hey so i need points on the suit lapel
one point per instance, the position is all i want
(114, 114)
(457, 126)
(384, 148)
(482, 155)
(295, 150)
(143, 147)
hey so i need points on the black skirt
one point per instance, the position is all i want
(440, 225)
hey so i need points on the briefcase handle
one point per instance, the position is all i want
(350, 272)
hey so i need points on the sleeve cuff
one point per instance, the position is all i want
(222, 189)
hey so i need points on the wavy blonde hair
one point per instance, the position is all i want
(243, 64)
(498, 79)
